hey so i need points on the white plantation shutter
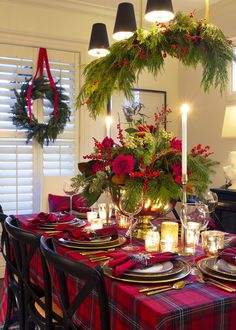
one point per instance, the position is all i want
(22, 165)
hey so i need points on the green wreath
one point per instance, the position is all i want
(41, 132)
(190, 40)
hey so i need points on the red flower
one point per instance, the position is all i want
(176, 144)
(177, 172)
(123, 164)
(107, 143)
(98, 166)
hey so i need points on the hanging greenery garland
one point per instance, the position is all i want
(190, 40)
(41, 132)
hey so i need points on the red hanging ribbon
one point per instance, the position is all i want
(42, 58)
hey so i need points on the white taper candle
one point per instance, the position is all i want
(184, 111)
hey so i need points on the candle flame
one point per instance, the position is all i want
(185, 108)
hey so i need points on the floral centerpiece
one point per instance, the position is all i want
(146, 159)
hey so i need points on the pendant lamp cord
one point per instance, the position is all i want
(207, 11)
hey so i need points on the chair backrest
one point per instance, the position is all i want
(51, 185)
(25, 247)
(90, 280)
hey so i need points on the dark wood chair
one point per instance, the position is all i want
(15, 292)
(89, 279)
(25, 247)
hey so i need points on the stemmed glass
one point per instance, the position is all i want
(194, 218)
(210, 199)
(130, 209)
(70, 191)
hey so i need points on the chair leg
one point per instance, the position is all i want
(10, 300)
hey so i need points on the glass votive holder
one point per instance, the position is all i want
(96, 223)
(169, 232)
(191, 239)
(102, 210)
(212, 241)
(152, 241)
(167, 246)
(123, 221)
(91, 215)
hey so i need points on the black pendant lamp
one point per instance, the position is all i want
(159, 11)
(98, 45)
(125, 23)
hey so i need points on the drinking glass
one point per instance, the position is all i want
(210, 199)
(194, 218)
(130, 209)
(70, 191)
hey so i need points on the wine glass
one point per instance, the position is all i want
(194, 218)
(210, 198)
(130, 208)
(69, 190)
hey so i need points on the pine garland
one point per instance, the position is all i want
(41, 132)
(190, 40)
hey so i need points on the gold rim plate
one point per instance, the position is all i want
(203, 265)
(75, 222)
(149, 279)
(178, 266)
(117, 242)
(213, 265)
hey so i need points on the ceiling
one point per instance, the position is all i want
(111, 5)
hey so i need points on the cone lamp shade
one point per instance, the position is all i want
(229, 124)
(125, 23)
(98, 45)
(159, 11)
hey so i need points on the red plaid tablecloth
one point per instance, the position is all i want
(197, 306)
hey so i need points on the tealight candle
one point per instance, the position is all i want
(91, 215)
(152, 241)
(169, 232)
(102, 210)
(168, 245)
(212, 241)
(191, 237)
(96, 223)
(124, 221)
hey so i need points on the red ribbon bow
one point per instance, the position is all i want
(42, 58)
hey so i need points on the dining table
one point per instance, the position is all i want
(195, 306)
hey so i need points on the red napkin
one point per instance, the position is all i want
(229, 255)
(44, 218)
(123, 261)
(82, 235)
(231, 243)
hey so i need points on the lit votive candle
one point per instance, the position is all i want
(169, 232)
(152, 241)
(91, 215)
(96, 223)
(212, 241)
(167, 245)
(191, 237)
(124, 221)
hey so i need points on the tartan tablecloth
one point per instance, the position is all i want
(195, 306)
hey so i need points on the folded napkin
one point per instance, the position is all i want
(229, 255)
(123, 261)
(44, 218)
(86, 235)
(231, 242)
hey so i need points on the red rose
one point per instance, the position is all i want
(107, 143)
(176, 144)
(177, 172)
(123, 164)
(98, 166)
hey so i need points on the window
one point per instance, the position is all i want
(22, 165)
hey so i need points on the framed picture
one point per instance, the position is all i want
(145, 103)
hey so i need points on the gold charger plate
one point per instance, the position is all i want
(203, 265)
(151, 278)
(213, 264)
(75, 222)
(178, 266)
(93, 246)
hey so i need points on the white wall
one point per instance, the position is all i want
(206, 117)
